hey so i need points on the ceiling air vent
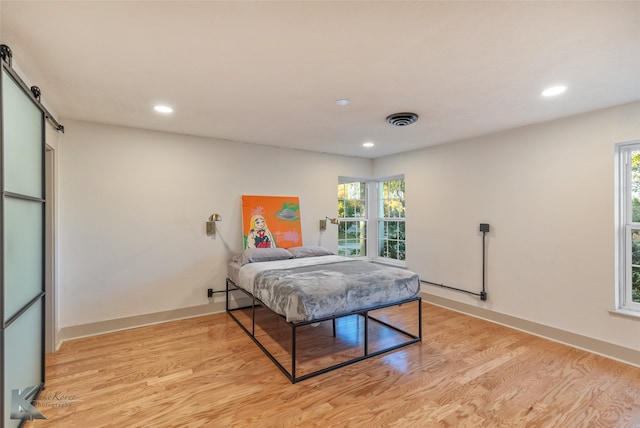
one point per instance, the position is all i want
(402, 119)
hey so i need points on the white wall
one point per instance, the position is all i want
(548, 193)
(133, 206)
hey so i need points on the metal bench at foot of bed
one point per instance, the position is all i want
(252, 305)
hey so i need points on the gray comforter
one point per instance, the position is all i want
(305, 293)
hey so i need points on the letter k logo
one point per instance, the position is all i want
(21, 408)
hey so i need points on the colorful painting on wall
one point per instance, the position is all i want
(271, 221)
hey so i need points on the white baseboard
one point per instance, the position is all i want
(109, 326)
(606, 349)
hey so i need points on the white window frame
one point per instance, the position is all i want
(365, 219)
(373, 217)
(376, 205)
(624, 227)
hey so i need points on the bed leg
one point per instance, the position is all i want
(293, 354)
(253, 316)
(366, 333)
(334, 327)
(226, 303)
(420, 318)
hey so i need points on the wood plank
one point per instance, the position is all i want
(205, 372)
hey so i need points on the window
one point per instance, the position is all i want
(352, 212)
(372, 218)
(391, 219)
(628, 185)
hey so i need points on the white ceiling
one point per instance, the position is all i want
(269, 72)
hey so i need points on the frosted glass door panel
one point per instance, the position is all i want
(23, 147)
(23, 357)
(23, 249)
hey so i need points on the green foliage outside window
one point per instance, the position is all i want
(352, 240)
(635, 237)
(352, 200)
(391, 232)
(352, 205)
(388, 205)
(635, 269)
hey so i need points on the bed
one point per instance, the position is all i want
(312, 311)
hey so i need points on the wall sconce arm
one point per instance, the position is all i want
(323, 222)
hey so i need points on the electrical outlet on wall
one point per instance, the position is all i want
(323, 224)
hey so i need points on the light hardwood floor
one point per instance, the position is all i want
(206, 372)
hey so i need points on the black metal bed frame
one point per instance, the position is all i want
(364, 313)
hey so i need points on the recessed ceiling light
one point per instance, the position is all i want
(368, 144)
(343, 102)
(163, 109)
(553, 91)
